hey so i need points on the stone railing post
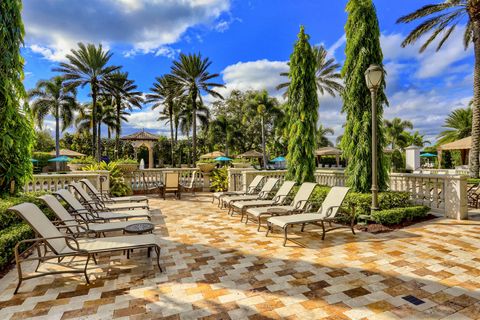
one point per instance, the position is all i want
(206, 182)
(456, 206)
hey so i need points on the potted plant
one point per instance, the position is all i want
(241, 163)
(206, 166)
(78, 164)
(127, 165)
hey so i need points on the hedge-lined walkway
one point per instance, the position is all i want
(218, 268)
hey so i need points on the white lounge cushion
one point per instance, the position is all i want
(262, 211)
(113, 243)
(125, 206)
(112, 226)
(253, 203)
(283, 221)
(239, 198)
(124, 214)
(217, 195)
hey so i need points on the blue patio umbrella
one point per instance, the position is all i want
(60, 159)
(279, 159)
(223, 159)
(33, 160)
(428, 155)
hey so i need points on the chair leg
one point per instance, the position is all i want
(323, 229)
(269, 228)
(285, 235)
(259, 223)
(85, 269)
(303, 227)
(94, 259)
(157, 251)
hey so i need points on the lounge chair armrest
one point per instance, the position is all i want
(329, 210)
(311, 204)
(300, 204)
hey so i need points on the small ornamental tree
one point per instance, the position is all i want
(362, 49)
(16, 128)
(302, 112)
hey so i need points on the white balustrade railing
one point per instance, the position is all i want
(54, 182)
(442, 192)
(139, 178)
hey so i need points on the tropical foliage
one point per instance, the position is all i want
(439, 21)
(458, 124)
(16, 125)
(88, 65)
(302, 111)
(362, 49)
(52, 97)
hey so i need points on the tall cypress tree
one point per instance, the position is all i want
(302, 111)
(16, 128)
(362, 49)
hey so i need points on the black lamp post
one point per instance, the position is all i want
(373, 77)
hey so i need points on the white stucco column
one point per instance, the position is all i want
(412, 158)
(150, 157)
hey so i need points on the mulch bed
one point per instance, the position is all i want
(379, 228)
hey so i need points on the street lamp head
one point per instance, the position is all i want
(373, 76)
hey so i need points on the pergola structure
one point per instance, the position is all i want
(463, 145)
(329, 151)
(68, 153)
(212, 155)
(142, 138)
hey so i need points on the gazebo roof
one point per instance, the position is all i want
(328, 151)
(251, 154)
(67, 153)
(212, 155)
(462, 144)
(141, 135)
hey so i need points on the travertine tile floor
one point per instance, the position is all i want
(218, 268)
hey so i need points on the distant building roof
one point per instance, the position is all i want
(212, 155)
(67, 153)
(141, 135)
(328, 151)
(251, 154)
(462, 144)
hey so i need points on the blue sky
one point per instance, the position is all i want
(249, 43)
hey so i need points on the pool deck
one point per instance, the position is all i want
(218, 268)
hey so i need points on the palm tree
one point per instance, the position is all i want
(126, 97)
(322, 140)
(164, 93)
(87, 65)
(417, 139)
(327, 74)
(459, 124)
(106, 114)
(262, 105)
(191, 74)
(441, 19)
(51, 97)
(394, 132)
(222, 126)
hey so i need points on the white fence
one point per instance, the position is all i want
(54, 182)
(442, 192)
(139, 178)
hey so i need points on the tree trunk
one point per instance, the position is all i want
(263, 144)
(99, 140)
(57, 136)
(95, 152)
(172, 143)
(176, 141)
(117, 133)
(194, 129)
(474, 153)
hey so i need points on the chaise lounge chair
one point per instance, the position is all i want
(326, 213)
(101, 205)
(72, 223)
(172, 185)
(264, 194)
(76, 208)
(278, 200)
(57, 245)
(105, 197)
(252, 188)
(297, 205)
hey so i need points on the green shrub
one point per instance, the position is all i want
(8, 240)
(219, 180)
(83, 160)
(42, 158)
(473, 180)
(207, 161)
(118, 187)
(386, 200)
(398, 215)
(8, 218)
(126, 161)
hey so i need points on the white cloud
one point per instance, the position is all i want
(147, 119)
(148, 26)
(430, 63)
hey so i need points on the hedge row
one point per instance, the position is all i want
(398, 215)
(8, 240)
(8, 218)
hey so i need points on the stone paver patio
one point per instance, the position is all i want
(218, 268)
